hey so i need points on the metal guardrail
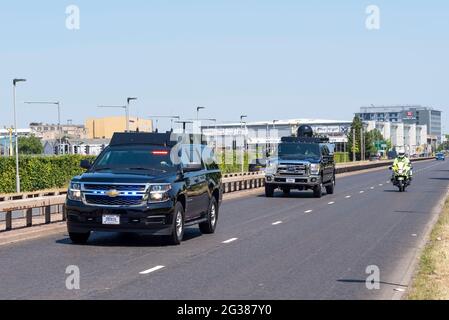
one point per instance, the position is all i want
(44, 201)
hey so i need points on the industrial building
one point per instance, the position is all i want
(104, 128)
(408, 115)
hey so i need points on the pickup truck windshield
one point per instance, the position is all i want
(299, 151)
(135, 159)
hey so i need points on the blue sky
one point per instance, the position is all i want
(268, 59)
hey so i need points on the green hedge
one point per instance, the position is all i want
(39, 172)
(341, 157)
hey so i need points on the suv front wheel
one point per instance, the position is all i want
(209, 226)
(79, 238)
(178, 225)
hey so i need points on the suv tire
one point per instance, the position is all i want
(178, 225)
(209, 226)
(79, 238)
(286, 191)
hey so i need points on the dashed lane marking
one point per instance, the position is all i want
(277, 223)
(230, 240)
(152, 270)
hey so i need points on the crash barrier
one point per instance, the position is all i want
(45, 207)
(26, 213)
(351, 167)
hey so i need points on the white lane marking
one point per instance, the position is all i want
(230, 240)
(308, 211)
(152, 270)
(399, 290)
(381, 184)
(331, 203)
(277, 223)
(362, 191)
(414, 235)
(372, 188)
(348, 197)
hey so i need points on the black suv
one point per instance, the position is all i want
(145, 183)
(304, 162)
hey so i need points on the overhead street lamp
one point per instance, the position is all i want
(58, 104)
(167, 117)
(127, 112)
(198, 112)
(120, 107)
(15, 82)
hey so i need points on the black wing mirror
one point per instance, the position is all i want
(86, 164)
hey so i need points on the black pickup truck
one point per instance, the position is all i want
(145, 183)
(304, 162)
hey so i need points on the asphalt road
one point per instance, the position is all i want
(280, 248)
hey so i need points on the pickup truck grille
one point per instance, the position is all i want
(118, 201)
(292, 169)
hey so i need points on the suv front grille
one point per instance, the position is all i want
(125, 201)
(114, 195)
(108, 187)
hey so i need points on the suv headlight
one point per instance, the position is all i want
(74, 192)
(159, 193)
(315, 169)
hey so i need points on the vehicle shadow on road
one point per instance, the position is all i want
(104, 239)
(349, 281)
(292, 195)
(440, 178)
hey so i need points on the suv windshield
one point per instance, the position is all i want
(300, 151)
(135, 159)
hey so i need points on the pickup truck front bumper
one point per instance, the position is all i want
(299, 181)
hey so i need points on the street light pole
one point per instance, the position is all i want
(198, 112)
(243, 146)
(127, 112)
(15, 81)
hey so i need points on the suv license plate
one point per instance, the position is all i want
(291, 180)
(111, 219)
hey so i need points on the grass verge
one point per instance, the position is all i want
(432, 279)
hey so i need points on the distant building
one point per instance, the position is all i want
(46, 132)
(76, 146)
(104, 128)
(411, 138)
(408, 115)
(264, 134)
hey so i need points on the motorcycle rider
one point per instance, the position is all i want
(402, 158)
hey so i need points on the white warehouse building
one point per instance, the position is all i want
(411, 138)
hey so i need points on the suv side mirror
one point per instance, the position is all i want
(86, 164)
(192, 167)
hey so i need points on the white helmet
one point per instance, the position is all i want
(401, 154)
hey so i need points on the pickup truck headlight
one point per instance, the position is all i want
(74, 192)
(159, 193)
(271, 167)
(315, 169)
